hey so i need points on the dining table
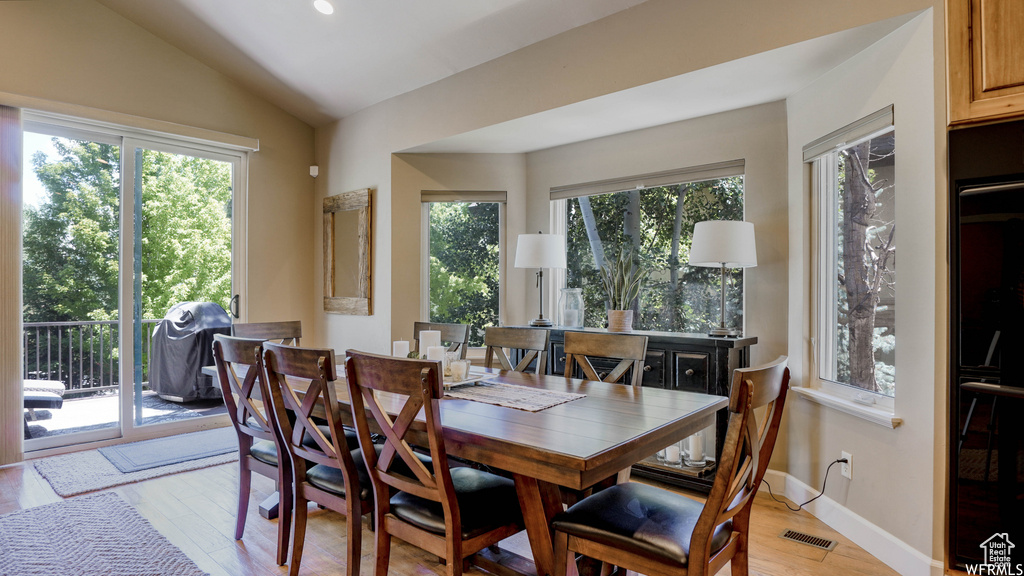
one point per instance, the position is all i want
(574, 445)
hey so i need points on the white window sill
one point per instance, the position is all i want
(872, 414)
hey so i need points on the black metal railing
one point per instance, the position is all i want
(84, 355)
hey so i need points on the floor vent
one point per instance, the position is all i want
(821, 543)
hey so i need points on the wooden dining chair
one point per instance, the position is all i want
(450, 512)
(456, 336)
(532, 341)
(661, 533)
(259, 445)
(324, 470)
(629, 349)
(280, 332)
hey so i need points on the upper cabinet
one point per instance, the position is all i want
(985, 45)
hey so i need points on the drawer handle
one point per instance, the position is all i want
(602, 375)
(562, 359)
(689, 372)
(648, 368)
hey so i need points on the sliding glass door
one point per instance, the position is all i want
(124, 238)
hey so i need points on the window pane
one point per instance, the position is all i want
(864, 279)
(464, 277)
(658, 224)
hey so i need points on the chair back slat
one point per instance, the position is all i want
(746, 450)
(417, 386)
(456, 335)
(242, 394)
(280, 332)
(532, 341)
(290, 370)
(629, 349)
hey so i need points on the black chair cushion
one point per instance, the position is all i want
(640, 519)
(330, 478)
(264, 451)
(34, 399)
(486, 501)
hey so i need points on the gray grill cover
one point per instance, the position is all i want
(182, 345)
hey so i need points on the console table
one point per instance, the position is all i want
(676, 361)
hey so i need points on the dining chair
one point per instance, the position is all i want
(456, 335)
(450, 512)
(280, 332)
(238, 362)
(661, 533)
(629, 349)
(323, 457)
(533, 341)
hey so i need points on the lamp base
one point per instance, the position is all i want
(543, 322)
(725, 333)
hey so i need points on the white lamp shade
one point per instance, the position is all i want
(540, 251)
(723, 242)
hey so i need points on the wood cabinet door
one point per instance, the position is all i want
(985, 52)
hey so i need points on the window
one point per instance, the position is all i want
(463, 259)
(654, 215)
(855, 281)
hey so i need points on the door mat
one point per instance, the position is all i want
(96, 534)
(147, 454)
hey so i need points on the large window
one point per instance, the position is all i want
(855, 189)
(656, 223)
(463, 259)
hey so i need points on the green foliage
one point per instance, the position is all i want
(464, 265)
(622, 277)
(675, 297)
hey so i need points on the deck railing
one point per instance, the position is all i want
(81, 354)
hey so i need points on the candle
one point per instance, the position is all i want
(435, 352)
(460, 370)
(672, 454)
(400, 348)
(696, 446)
(429, 338)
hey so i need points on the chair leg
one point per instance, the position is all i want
(382, 549)
(284, 521)
(244, 487)
(355, 535)
(299, 513)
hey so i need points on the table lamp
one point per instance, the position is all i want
(540, 251)
(724, 243)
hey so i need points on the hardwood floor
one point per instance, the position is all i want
(195, 511)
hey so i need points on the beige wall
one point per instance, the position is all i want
(78, 57)
(898, 474)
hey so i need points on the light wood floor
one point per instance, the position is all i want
(195, 511)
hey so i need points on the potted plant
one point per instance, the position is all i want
(622, 277)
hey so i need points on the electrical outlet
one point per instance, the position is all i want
(847, 467)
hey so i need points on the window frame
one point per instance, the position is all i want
(822, 160)
(427, 197)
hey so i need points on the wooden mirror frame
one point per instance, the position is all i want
(359, 305)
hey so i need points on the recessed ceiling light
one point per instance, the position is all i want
(323, 6)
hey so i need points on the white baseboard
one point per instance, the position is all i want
(894, 552)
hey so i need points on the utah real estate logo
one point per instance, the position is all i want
(997, 551)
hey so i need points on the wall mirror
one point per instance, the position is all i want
(347, 253)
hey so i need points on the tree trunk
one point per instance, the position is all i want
(673, 262)
(631, 228)
(596, 247)
(861, 294)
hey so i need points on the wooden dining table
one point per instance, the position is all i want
(575, 445)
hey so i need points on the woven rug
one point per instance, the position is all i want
(81, 472)
(513, 396)
(96, 535)
(147, 454)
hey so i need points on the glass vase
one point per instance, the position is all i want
(570, 308)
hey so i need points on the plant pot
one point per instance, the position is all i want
(620, 320)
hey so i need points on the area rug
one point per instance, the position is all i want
(136, 456)
(94, 535)
(81, 472)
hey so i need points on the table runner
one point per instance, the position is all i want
(513, 396)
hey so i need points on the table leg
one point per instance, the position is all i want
(540, 501)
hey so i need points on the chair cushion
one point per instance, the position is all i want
(330, 478)
(51, 386)
(264, 451)
(486, 501)
(640, 519)
(42, 400)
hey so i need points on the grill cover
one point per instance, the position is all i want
(182, 344)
